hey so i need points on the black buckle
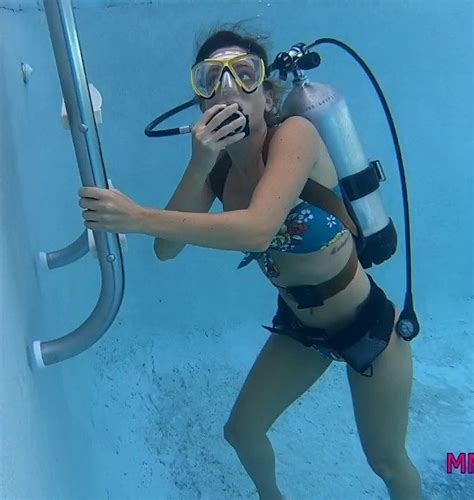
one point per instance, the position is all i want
(364, 182)
(305, 336)
(377, 166)
(306, 296)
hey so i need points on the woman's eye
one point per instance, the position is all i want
(246, 75)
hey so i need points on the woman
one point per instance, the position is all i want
(261, 173)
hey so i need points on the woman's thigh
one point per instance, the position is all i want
(283, 371)
(381, 401)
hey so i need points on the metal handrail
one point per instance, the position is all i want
(75, 89)
(67, 255)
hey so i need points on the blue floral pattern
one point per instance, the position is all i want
(296, 235)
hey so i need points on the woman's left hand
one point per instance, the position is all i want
(109, 210)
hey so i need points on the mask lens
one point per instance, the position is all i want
(205, 77)
(249, 71)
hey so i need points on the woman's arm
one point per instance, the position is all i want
(291, 156)
(234, 230)
(192, 194)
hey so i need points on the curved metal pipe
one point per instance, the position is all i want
(67, 255)
(75, 89)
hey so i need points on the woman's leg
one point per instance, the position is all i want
(381, 414)
(282, 372)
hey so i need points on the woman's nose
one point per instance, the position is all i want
(228, 82)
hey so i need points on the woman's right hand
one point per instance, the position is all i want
(207, 141)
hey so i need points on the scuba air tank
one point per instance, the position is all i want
(360, 179)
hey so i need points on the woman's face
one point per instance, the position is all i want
(229, 92)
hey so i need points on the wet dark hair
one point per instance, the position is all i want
(225, 38)
(234, 34)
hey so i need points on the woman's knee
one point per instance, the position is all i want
(389, 467)
(230, 433)
(235, 432)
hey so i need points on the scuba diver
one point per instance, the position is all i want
(285, 208)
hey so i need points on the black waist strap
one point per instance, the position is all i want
(314, 295)
(370, 315)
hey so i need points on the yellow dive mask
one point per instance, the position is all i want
(248, 71)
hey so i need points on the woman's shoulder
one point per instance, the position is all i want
(324, 171)
(295, 128)
(294, 123)
(292, 128)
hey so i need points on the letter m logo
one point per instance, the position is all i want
(463, 461)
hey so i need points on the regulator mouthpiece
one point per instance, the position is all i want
(244, 128)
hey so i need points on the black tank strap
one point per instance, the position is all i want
(218, 175)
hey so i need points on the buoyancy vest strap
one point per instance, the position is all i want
(218, 175)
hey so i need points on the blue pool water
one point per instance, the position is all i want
(140, 414)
